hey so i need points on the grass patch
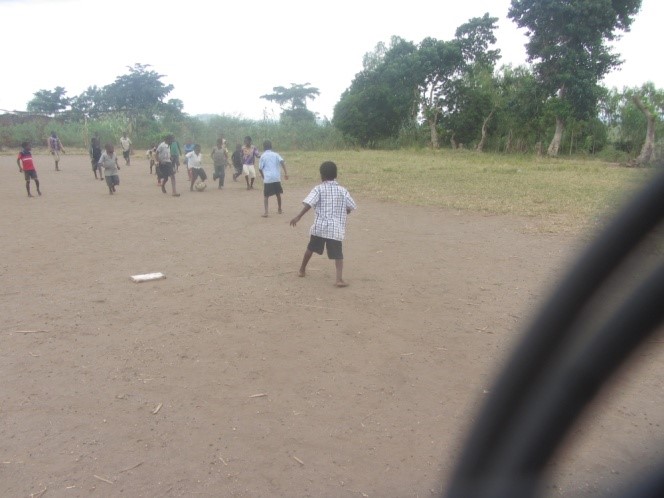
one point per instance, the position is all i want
(559, 194)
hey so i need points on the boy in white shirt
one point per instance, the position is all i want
(194, 161)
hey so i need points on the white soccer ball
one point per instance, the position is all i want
(200, 186)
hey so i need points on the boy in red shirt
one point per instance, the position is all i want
(27, 167)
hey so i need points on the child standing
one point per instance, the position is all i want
(236, 158)
(194, 162)
(333, 204)
(125, 142)
(109, 161)
(269, 167)
(55, 146)
(220, 158)
(27, 166)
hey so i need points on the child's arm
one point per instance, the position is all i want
(283, 165)
(306, 208)
(18, 162)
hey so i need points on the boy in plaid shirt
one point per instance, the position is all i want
(332, 204)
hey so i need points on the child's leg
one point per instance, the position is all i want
(305, 260)
(279, 203)
(192, 177)
(265, 199)
(27, 187)
(339, 266)
(164, 180)
(246, 177)
(37, 185)
(175, 194)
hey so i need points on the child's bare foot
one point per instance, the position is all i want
(301, 273)
(281, 212)
(341, 283)
(264, 215)
(30, 195)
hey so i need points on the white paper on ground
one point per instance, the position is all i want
(146, 277)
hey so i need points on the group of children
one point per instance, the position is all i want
(331, 202)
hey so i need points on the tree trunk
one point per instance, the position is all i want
(435, 144)
(554, 146)
(480, 145)
(647, 154)
(453, 142)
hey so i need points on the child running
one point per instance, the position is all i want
(249, 155)
(194, 162)
(333, 204)
(220, 159)
(269, 167)
(109, 161)
(27, 167)
(236, 158)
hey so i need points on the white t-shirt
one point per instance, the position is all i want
(126, 143)
(194, 160)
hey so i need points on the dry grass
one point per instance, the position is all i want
(559, 194)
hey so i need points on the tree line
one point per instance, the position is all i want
(439, 92)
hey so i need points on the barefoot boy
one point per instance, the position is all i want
(27, 167)
(109, 161)
(332, 204)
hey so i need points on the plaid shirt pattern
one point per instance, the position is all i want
(330, 202)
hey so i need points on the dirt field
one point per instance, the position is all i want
(234, 377)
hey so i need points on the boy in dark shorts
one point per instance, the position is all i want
(27, 166)
(95, 154)
(109, 162)
(332, 204)
(269, 167)
(236, 158)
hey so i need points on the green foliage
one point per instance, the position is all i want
(293, 101)
(568, 46)
(49, 102)
(381, 98)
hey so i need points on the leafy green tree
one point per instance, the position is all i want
(650, 103)
(89, 104)
(50, 102)
(568, 46)
(454, 71)
(293, 101)
(382, 97)
(521, 112)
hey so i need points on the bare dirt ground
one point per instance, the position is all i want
(234, 377)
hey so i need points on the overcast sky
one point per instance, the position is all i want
(221, 57)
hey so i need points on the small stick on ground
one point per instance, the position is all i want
(259, 395)
(156, 410)
(102, 479)
(131, 468)
(223, 461)
(30, 331)
(38, 495)
(298, 460)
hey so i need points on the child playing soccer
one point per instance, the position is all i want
(236, 158)
(333, 204)
(194, 162)
(220, 159)
(109, 161)
(27, 167)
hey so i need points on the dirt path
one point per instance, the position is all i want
(234, 377)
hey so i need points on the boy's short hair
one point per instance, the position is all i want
(25, 144)
(328, 170)
(267, 145)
